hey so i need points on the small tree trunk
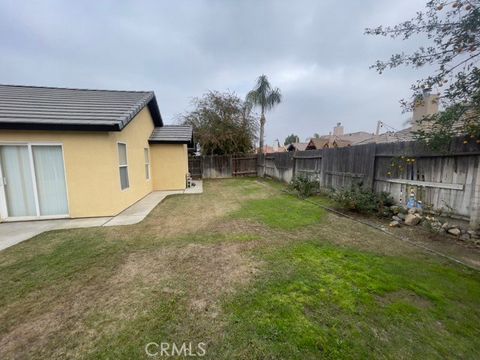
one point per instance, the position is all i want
(262, 126)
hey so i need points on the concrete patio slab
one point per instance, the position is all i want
(196, 188)
(138, 211)
(12, 233)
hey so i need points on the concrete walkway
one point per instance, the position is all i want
(12, 233)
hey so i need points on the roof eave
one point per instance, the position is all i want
(170, 141)
(58, 127)
(155, 111)
(152, 105)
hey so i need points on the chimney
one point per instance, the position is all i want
(379, 125)
(338, 130)
(425, 105)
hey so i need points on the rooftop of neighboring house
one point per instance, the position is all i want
(390, 136)
(328, 142)
(338, 139)
(267, 149)
(297, 146)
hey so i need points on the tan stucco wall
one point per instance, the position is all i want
(169, 166)
(91, 162)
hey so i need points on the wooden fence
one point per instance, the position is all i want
(449, 181)
(222, 166)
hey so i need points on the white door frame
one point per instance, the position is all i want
(3, 197)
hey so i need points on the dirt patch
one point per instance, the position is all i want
(241, 227)
(84, 313)
(404, 296)
(181, 215)
(214, 271)
(202, 273)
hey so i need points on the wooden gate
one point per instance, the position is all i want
(244, 165)
(195, 167)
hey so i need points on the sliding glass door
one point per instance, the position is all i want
(17, 178)
(50, 179)
(33, 181)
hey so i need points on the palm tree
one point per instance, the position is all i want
(266, 98)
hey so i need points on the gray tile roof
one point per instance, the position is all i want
(391, 136)
(172, 134)
(30, 107)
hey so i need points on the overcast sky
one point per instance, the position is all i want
(315, 51)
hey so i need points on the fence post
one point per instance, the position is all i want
(323, 165)
(318, 167)
(475, 201)
(294, 164)
(373, 167)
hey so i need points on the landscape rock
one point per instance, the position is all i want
(394, 224)
(474, 234)
(401, 216)
(464, 237)
(412, 210)
(437, 226)
(454, 231)
(395, 209)
(396, 218)
(412, 219)
(446, 226)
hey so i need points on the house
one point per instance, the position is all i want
(425, 106)
(70, 153)
(267, 149)
(338, 139)
(327, 142)
(390, 136)
(276, 147)
(297, 146)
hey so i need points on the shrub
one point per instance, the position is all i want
(386, 199)
(356, 198)
(304, 186)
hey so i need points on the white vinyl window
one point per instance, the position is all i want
(147, 163)
(123, 166)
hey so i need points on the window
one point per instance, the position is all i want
(147, 164)
(123, 166)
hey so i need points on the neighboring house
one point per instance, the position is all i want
(84, 153)
(297, 146)
(327, 142)
(425, 106)
(338, 139)
(267, 149)
(390, 136)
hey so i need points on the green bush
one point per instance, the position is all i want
(385, 199)
(304, 186)
(358, 199)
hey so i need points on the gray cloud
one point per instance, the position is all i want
(315, 51)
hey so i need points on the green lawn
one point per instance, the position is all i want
(248, 270)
